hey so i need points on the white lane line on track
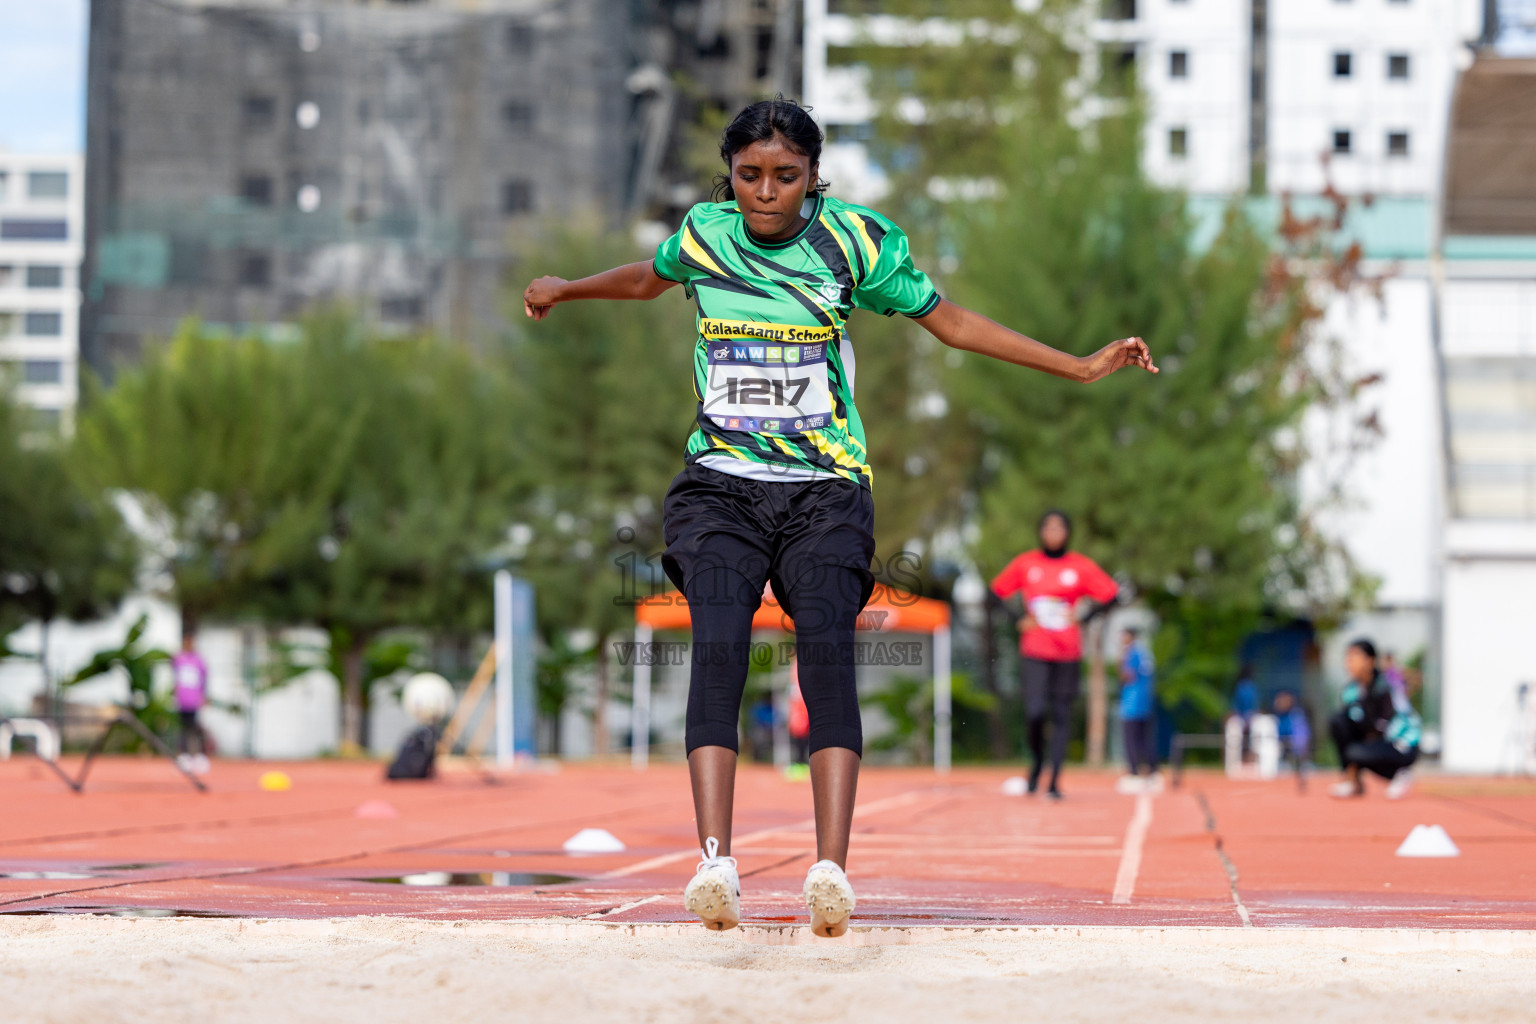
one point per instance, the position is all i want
(601, 914)
(876, 807)
(1130, 853)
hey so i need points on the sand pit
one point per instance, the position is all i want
(71, 968)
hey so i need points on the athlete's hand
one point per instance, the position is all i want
(1116, 356)
(539, 297)
(1027, 623)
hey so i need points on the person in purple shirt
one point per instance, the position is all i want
(190, 673)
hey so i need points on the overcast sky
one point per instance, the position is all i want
(42, 76)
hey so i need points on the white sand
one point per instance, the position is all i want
(73, 969)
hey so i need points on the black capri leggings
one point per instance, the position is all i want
(1050, 693)
(827, 601)
(727, 537)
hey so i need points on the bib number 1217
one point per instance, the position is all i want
(755, 390)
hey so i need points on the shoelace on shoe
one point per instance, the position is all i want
(712, 858)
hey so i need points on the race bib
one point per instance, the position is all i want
(767, 378)
(1051, 613)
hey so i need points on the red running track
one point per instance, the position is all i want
(926, 850)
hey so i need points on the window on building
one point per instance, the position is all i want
(401, 308)
(258, 113)
(1341, 140)
(255, 270)
(26, 229)
(1117, 68)
(517, 115)
(47, 185)
(256, 189)
(7, 272)
(1178, 64)
(43, 325)
(1119, 10)
(44, 419)
(1397, 65)
(45, 277)
(516, 197)
(864, 131)
(42, 371)
(5, 183)
(1178, 142)
(7, 322)
(1397, 143)
(1343, 65)
(519, 38)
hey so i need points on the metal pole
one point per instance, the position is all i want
(640, 743)
(941, 701)
(813, 58)
(503, 647)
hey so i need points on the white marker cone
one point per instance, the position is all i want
(594, 840)
(1428, 841)
(1014, 785)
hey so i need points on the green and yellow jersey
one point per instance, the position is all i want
(773, 367)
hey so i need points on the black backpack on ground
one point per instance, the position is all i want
(417, 757)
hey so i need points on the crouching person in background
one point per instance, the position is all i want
(1377, 730)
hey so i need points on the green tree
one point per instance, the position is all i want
(64, 551)
(408, 534)
(226, 465)
(604, 406)
(138, 664)
(1027, 187)
(361, 484)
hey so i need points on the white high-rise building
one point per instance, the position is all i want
(42, 232)
(1369, 83)
(1232, 87)
(1192, 57)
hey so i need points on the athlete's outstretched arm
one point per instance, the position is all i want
(962, 328)
(631, 281)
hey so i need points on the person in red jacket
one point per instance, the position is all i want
(1055, 582)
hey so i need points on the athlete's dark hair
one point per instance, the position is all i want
(1365, 647)
(1055, 513)
(760, 122)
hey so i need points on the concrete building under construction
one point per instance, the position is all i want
(247, 159)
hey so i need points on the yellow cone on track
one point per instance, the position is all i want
(275, 782)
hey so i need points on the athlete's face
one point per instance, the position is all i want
(1053, 533)
(770, 180)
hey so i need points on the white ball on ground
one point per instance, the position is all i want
(428, 698)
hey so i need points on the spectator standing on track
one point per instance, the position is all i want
(1137, 711)
(1055, 583)
(1294, 729)
(1245, 696)
(1377, 730)
(1245, 701)
(190, 673)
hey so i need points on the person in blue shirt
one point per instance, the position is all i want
(1245, 696)
(1136, 703)
(1295, 731)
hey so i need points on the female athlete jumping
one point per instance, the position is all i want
(776, 486)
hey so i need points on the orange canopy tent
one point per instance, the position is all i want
(889, 610)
